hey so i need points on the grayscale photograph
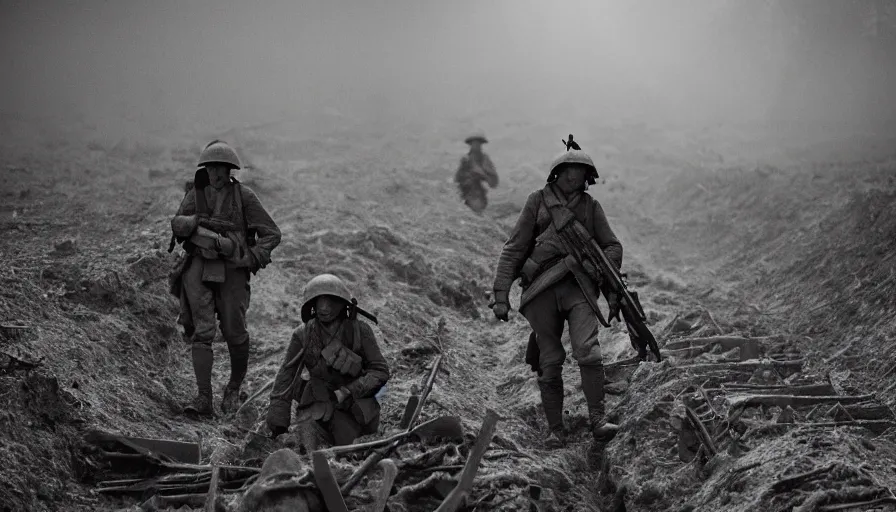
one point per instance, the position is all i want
(448, 256)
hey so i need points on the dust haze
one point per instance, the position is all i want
(158, 66)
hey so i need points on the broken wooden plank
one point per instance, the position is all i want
(632, 361)
(804, 390)
(796, 364)
(212, 495)
(727, 342)
(178, 451)
(459, 493)
(795, 401)
(876, 426)
(444, 426)
(792, 482)
(862, 505)
(390, 470)
(427, 388)
(409, 408)
(326, 483)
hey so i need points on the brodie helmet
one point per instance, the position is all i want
(569, 158)
(218, 151)
(324, 284)
(476, 136)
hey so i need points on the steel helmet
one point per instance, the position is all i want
(573, 156)
(324, 284)
(218, 151)
(476, 136)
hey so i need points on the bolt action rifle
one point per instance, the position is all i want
(583, 247)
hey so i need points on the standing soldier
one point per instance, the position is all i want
(227, 234)
(556, 287)
(333, 369)
(475, 167)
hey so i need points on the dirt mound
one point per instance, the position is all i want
(809, 245)
(87, 274)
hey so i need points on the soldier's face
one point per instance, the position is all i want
(329, 308)
(218, 174)
(476, 146)
(572, 178)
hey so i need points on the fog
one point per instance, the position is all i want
(162, 64)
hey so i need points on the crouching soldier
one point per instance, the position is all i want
(227, 234)
(556, 288)
(333, 369)
(475, 167)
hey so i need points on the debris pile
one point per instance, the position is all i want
(723, 409)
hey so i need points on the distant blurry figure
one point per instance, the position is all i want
(475, 167)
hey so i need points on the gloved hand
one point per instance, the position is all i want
(501, 305)
(501, 310)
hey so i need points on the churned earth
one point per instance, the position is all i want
(766, 271)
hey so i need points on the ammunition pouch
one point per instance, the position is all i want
(532, 269)
(529, 272)
(547, 252)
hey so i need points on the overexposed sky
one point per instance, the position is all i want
(228, 61)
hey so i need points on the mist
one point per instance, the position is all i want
(164, 64)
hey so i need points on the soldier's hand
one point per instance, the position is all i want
(501, 309)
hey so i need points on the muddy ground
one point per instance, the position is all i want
(765, 268)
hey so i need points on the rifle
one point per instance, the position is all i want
(583, 247)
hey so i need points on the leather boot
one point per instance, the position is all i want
(239, 365)
(203, 359)
(552, 403)
(593, 387)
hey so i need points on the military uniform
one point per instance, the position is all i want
(322, 359)
(556, 288)
(474, 168)
(216, 282)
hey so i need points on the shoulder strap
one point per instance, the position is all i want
(200, 180)
(560, 214)
(250, 237)
(356, 336)
(239, 192)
